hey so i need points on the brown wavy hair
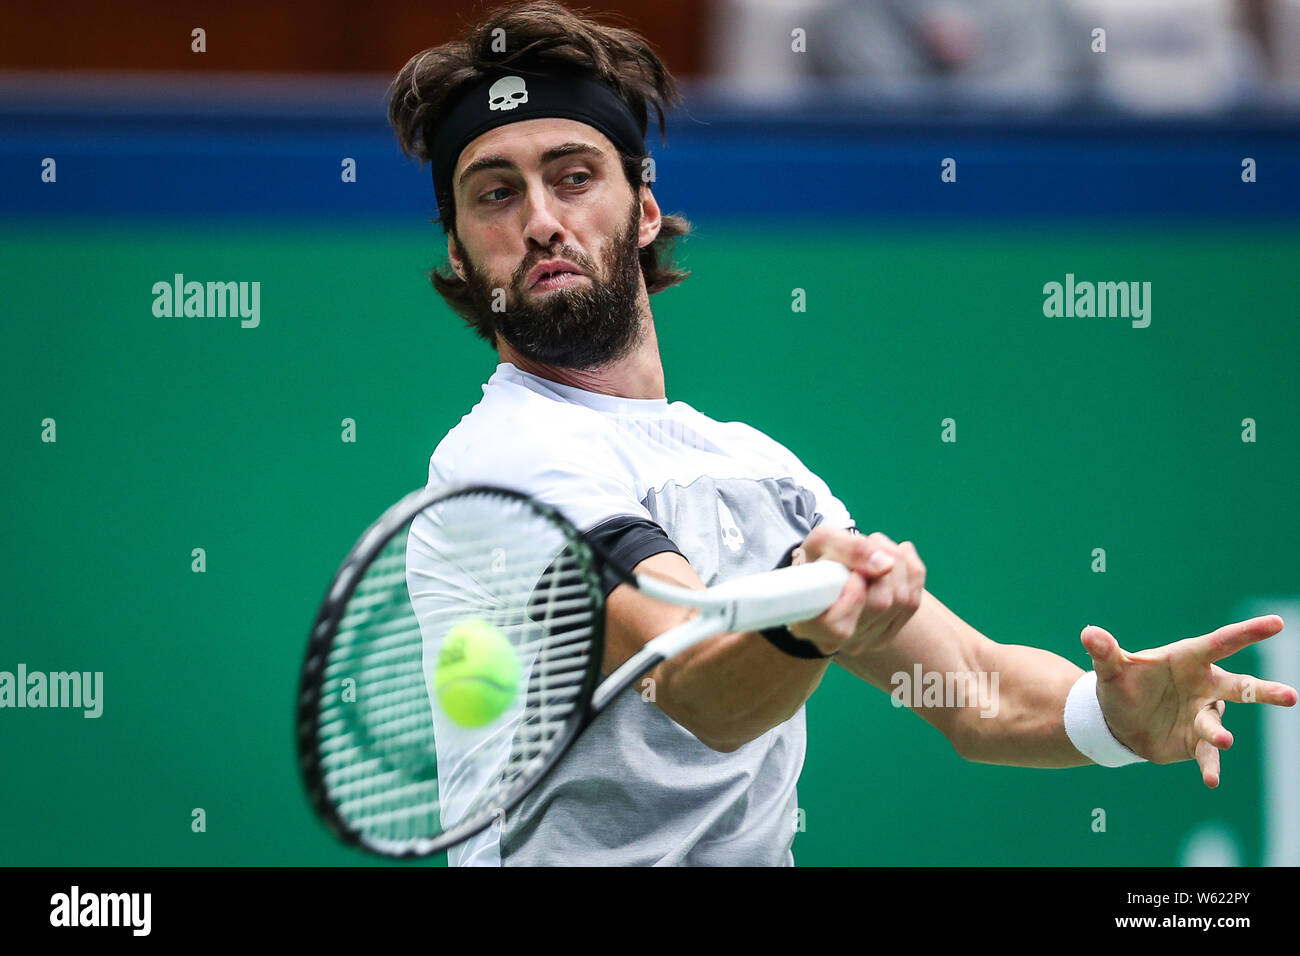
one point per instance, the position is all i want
(538, 34)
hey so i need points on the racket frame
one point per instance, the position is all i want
(748, 603)
(349, 574)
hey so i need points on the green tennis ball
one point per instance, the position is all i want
(477, 674)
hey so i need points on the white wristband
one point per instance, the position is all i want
(1086, 726)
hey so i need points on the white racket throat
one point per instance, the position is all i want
(767, 599)
(756, 601)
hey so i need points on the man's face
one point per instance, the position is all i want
(548, 189)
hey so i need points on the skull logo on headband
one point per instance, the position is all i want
(507, 93)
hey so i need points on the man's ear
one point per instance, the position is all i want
(651, 218)
(453, 254)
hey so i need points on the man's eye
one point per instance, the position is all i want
(487, 196)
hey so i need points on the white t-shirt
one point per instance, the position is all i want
(637, 788)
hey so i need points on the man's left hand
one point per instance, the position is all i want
(1166, 704)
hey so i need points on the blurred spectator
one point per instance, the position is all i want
(1160, 55)
(1011, 48)
(1285, 47)
(1177, 55)
(1017, 49)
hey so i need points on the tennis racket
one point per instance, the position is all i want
(383, 765)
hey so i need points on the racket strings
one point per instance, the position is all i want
(398, 770)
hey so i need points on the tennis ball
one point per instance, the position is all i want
(477, 674)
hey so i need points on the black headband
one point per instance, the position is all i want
(509, 96)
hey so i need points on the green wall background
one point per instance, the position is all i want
(1072, 434)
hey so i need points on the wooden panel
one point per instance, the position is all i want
(336, 36)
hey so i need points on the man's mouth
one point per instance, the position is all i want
(557, 280)
(553, 274)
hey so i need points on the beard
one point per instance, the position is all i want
(584, 326)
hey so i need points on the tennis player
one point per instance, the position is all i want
(535, 125)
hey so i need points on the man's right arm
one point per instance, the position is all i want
(726, 690)
(733, 688)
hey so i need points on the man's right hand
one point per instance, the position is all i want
(882, 593)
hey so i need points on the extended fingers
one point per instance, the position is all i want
(1209, 726)
(1231, 638)
(1207, 758)
(1103, 649)
(1247, 689)
(1211, 737)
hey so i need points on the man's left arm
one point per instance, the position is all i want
(1023, 714)
(1165, 704)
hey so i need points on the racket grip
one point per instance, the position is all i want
(783, 596)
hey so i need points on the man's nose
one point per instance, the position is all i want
(543, 224)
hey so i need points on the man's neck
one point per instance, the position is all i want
(638, 375)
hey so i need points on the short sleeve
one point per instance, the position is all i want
(829, 509)
(561, 458)
(629, 541)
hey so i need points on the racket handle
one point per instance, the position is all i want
(783, 596)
